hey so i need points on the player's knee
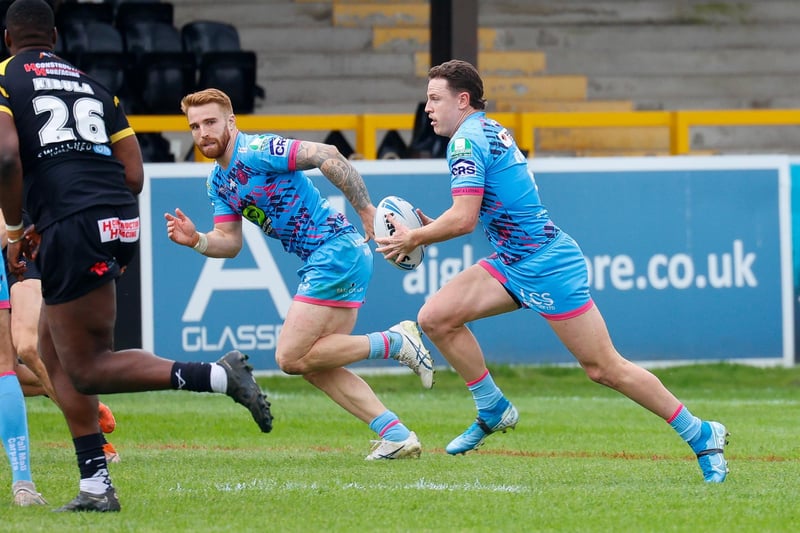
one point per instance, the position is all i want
(432, 323)
(595, 373)
(290, 365)
(84, 383)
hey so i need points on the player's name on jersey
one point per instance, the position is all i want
(52, 84)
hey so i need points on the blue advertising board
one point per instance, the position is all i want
(690, 260)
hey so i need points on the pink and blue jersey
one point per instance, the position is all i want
(539, 265)
(263, 185)
(484, 160)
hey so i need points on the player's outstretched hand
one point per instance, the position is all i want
(180, 228)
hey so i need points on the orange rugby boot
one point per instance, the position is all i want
(106, 419)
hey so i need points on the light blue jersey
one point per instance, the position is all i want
(484, 160)
(263, 185)
(540, 266)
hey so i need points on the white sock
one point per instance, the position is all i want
(95, 485)
(219, 378)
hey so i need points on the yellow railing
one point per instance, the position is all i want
(367, 127)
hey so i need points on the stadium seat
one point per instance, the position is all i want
(337, 139)
(203, 36)
(155, 148)
(161, 73)
(392, 146)
(424, 141)
(235, 74)
(3, 8)
(81, 12)
(151, 36)
(128, 13)
(90, 36)
(108, 68)
(160, 80)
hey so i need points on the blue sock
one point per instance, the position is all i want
(14, 427)
(389, 427)
(383, 344)
(488, 397)
(686, 424)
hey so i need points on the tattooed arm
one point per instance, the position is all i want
(342, 174)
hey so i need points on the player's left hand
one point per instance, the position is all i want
(399, 243)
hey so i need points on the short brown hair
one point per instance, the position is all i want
(207, 96)
(461, 76)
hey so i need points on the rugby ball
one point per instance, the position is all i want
(407, 215)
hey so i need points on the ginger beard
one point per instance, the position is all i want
(214, 147)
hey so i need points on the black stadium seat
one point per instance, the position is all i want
(151, 36)
(132, 12)
(161, 79)
(235, 74)
(90, 36)
(203, 36)
(83, 12)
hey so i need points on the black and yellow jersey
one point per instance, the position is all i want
(66, 123)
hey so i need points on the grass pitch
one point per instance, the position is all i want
(583, 458)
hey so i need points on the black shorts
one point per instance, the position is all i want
(86, 250)
(31, 270)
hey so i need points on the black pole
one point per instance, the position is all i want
(454, 31)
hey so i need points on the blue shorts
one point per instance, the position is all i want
(337, 274)
(553, 281)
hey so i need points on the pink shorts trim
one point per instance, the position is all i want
(5, 304)
(496, 274)
(570, 314)
(327, 303)
(9, 373)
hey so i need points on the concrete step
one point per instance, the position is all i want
(541, 13)
(381, 92)
(327, 39)
(642, 37)
(408, 91)
(634, 62)
(626, 139)
(747, 139)
(257, 14)
(700, 91)
(310, 66)
(396, 14)
(494, 63)
(409, 40)
(540, 87)
(526, 105)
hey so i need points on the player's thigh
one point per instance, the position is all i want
(7, 355)
(586, 337)
(306, 323)
(82, 329)
(470, 295)
(26, 302)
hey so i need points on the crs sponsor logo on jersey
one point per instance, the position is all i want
(462, 167)
(461, 147)
(277, 146)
